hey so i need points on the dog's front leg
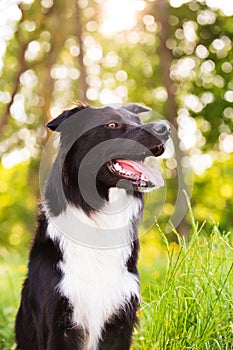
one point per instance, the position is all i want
(62, 334)
(118, 331)
(70, 339)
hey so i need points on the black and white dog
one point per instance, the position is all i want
(82, 287)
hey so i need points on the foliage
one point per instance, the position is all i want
(17, 215)
(190, 305)
(209, 204)
(12, 271)
(176, 59)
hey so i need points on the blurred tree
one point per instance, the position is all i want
(175, 57)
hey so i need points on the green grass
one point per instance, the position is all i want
(12, 270)
(187, 295)
(192, 306)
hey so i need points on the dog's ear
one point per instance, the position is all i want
(135, 108)
(54, 123)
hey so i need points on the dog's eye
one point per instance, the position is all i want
(113, 125)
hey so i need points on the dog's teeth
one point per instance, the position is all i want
(143, 177)
(134, 176)
(143, 183)
(117, 166)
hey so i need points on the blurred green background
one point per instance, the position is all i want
(174, 56)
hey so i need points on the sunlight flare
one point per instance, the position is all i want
(119, 15)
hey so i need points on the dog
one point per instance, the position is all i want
(82, 289)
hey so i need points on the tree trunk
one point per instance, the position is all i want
(21, 68)
(82, 67)
(161, 12)
(58, 37)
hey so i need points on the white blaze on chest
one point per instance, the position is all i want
(96, 281)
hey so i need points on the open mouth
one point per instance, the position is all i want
(143, 177)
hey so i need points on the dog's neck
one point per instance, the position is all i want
(112, 226)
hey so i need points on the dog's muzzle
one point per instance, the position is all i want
(161, 130)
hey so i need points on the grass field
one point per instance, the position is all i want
(187, 293)
(12, 272)
(191, 306)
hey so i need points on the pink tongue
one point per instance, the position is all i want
(139, 168)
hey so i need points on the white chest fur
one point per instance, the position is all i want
(96, 281)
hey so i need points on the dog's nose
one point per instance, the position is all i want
(161, 130)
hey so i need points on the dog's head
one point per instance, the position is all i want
(106, 147)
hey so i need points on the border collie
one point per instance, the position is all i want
(82, 288)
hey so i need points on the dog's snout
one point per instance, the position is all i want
(161, 128)
(161, 131)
